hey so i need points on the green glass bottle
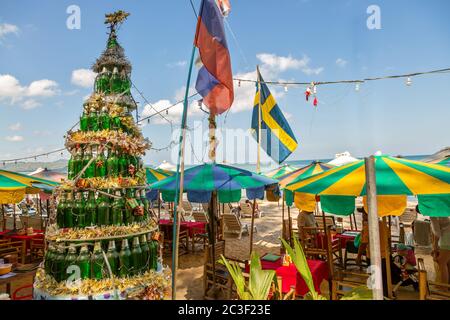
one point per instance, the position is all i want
(77, 162)
(123, 165)
(93, 123)
(105, 119)
(146, 264)
(154, 252)
(100, 165)
(49, 260)
(136, 256)
(116, 81)
(91, 209)
(97, 262)
(68, 214)
(60, 265)
(79, 211)
(128, 216)
(125, 267)
(113, 258)
(90, 170)
(60, 210)
(84, 263)
(102, 83)
(112, 164)
(71, 166)
(146, 205)
(126, 83)
(70, 260)
(137, 196)
(117, 210)
(103, 209)
(84, 119)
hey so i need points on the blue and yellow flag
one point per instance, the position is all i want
(277, 138)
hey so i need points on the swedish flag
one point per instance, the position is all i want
(277, 138)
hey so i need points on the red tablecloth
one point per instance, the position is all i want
(191, 226)
(290, 276)
(344, 238)
(38, 234)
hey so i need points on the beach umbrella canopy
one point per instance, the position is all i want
(394, 177)
(167, 166)
(154, 175)
(49, 175)
(280, 171)
(342, 159)
(445, 162)
(305, 172)
(228, 181)
(14, 186)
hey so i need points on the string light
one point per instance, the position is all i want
(239, 83)
(285, 88)
(314, 88)
(357, 87)
(408, 81)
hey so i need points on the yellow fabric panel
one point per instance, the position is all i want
(305, 201)
(317, 170)
(18, 178)
(417, 181)
(158, 175)
(388, 205)
(313, 179)
(274, 126)
(11, 196)
(350, 185)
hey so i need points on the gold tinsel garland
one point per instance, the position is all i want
(106, 183)
(155, 284)
(58, 234)
(134, 145)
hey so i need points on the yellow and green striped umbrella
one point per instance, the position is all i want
(154, 175)
(303, 173)
(280, 171)
(394, 177)
(14, 186)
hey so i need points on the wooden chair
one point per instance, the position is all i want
(37, 249)
(431, 290)
(329, 220)
(19, 247)
(232, 224)
(167, 231)
(247, 210)
(200, 217)
(345, 281)
(215, 274)
(187, 207)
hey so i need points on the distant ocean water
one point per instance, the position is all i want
(302, 163)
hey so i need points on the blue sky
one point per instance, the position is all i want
(294, 40)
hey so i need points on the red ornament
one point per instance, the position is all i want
(307, 93)
(315, 102)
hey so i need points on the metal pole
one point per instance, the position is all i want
(283, 232)
(14, 216)
(252, 226)
(258, 159)
(374, 231)
(179, 181)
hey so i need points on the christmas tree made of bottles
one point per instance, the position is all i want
(102, 241)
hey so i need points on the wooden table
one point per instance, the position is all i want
(16, 277)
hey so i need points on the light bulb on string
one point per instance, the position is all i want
(285, 88)
(408, 81)
(148, 120)
(167, 112)
(357, 87)
(239, 83)
(314, 89)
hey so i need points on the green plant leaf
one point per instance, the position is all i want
(358, 293)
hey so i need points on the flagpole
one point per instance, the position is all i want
(258, 159)
(180, 180)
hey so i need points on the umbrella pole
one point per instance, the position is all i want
(14, 216)
(159, 206)
(252, 226)
(4, 219)
(374, 231)
(289, 224)
(283, 232)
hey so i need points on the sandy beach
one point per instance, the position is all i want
(266, 240)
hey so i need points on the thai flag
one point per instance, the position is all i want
(215, 79)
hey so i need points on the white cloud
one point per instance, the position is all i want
(341, 62)
(30, 104)
(280, 63)
(6, 28)
(10, 88)
(42, 88)
(14, 138)
(15, 126)
(83, 77)
(176, 64)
